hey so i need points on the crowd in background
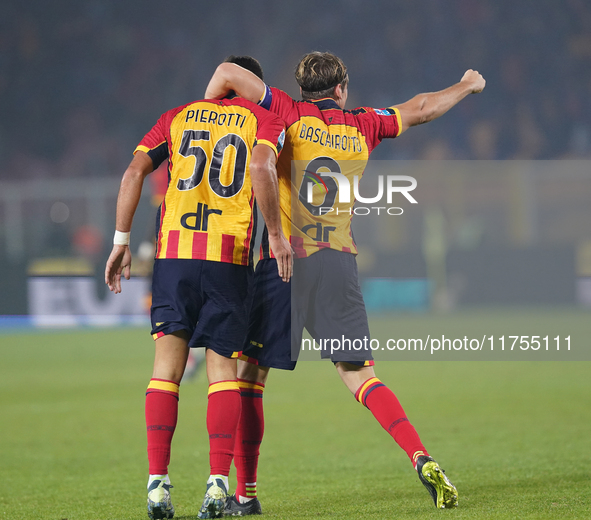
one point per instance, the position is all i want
(82, 82)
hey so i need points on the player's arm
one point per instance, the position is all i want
(127, 201)
(429, 106)
(229, 76)
(266, 189)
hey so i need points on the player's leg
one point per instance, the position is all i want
(222, 328)
(249, 436)
(223, 414)
(384, 405)
(267, 345)
(388, 411)
(251, 372)
(174, 311)
(339, 313)
(161, 417)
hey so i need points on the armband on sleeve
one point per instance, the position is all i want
(266, 98)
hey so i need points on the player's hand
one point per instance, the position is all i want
(119, 262)
(283, 254)
(474, 80)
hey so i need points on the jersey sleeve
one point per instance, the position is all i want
(154, 142)
(381, 123)
(281, 104)
(388, 122)
(270, 131)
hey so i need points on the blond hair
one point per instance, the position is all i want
(318, 73)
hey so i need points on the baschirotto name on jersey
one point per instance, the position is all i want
(335, 141)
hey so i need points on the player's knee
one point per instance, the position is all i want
(219, 367)
(353, 375)
(252, 372)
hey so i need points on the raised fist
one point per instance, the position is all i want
(475, 80)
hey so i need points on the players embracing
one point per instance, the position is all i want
(324, 295)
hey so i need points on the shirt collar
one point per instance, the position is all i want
(325, 103)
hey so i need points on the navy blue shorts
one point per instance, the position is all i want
(210, 300)
(323, 296)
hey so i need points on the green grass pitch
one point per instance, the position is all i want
(515, 437)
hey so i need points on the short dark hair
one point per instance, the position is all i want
(318, 73)
(248, 63)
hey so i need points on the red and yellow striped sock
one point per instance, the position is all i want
(388, 411)
(249, 437)
(223, 414)
(162, 401)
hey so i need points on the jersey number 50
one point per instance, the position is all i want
(215, 167)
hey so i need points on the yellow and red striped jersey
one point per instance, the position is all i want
(322, 137)
(208, 211)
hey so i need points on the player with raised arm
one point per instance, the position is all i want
(322, 136)
(221, 155)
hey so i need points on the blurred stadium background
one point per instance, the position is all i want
(495, 245)
(81, 82)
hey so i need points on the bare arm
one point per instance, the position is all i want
(266, 188)
(229, 76)
(129, 195)
(427, 107)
